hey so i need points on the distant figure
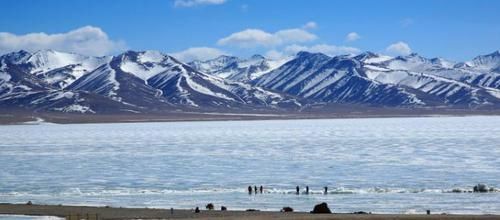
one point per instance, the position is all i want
(223, 208)
(210, 206)
(29, 203)
(261, 189)
(307, 189)
(249, 189)
(326, 190)
(428, 212)
(197, 210)
(297, 190)
(171, 211)
(255, 187)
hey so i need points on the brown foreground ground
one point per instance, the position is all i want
(145, 213)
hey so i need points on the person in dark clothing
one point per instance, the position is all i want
(307, 189)
(261, 189)
(249, 189)
(197, 210)
(255, 187)
(297, 190)
(326, 190)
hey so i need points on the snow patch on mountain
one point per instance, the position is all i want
(75, 108)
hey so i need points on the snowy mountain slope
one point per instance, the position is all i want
(19, 88)
(149, 81)
(236, 69)
(56, 68)
(449, 91)
(16, 82)
(438, 67)
(335, 80)
(375, 79)
(437, 77)
(111, 81)
(149, 77)
(293, 72)
(182, 84)
(488, 62)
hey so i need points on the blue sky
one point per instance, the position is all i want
(457, 30)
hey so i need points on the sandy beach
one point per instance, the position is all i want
(149, 213)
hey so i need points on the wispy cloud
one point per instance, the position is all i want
(310, 25)
(256, 37)
(353, 36)
(399, 48)
(193, 3)
(198, 53)
(88, 40)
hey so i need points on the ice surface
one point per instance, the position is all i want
(389, 165)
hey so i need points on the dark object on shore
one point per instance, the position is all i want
(197, 210)
(107, 206)
(307, 189)
(428, 212)
(249, 189)
(223, 208)
(29, 203)
(255, 189)
(286, 209)
(482, 188)
(326, 190)
(297, 190)
(210, 206)
(321, 208)
(457, 191)
(361, 213)
(261, 189)
(252, 210)
(171, 211)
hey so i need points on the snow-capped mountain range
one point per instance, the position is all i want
(150, 81)
(237, 69)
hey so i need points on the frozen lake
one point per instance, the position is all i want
(389, 165)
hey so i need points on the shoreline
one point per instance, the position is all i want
(153, 213)
(24, 119)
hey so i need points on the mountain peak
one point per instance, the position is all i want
(18, 56)
(495, 53)
(257, 57)
(306, 54)
(366, 55)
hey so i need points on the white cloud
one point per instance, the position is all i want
(193, 3)
(256, 37)
(310, 25)
(353, 36)
(331, 50)
(198, 53)
(399, 48)
(86, 40)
